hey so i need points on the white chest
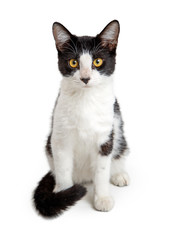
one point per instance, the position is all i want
(88, 112)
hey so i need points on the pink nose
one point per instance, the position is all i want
(85, 80)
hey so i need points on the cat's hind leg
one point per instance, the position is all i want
(48, 151)
(119, 176)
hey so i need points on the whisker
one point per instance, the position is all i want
(97, 47)
(99, 50)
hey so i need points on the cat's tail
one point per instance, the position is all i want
(50, 204)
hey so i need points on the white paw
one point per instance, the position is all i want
(120, 179)
(61, 188)
(103, 204)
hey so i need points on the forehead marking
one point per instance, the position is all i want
(85, 60)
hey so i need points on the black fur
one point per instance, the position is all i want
(116, 108)
(107, 147)
(122, 144)
(49, 204)
(48, 147)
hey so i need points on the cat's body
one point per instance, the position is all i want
(86, 142)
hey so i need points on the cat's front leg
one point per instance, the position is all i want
(63, 162)
(103, 201)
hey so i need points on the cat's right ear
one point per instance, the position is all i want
(61, 35)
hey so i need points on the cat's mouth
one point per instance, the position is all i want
(86, 86)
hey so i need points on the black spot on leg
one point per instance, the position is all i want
(122, 146)
(48, 145)
(107, 147)
(116, 107)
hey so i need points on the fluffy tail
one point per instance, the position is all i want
(50, 204)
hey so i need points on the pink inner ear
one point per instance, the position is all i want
(61, 35)
(109, 35)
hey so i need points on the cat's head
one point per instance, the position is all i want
(86, 61)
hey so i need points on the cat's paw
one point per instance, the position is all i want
(120, 179)
(103, 204)
(62, 187)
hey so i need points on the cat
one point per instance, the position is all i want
(86, 142)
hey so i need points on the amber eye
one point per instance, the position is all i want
(73, 63)
(98, 62)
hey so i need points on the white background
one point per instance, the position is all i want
(28, 89)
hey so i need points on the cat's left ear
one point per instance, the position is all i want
(109, 35)
(61, 35)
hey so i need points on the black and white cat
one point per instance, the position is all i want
(86, 142)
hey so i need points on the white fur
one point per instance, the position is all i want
(119, 176)
(104, 204)
(83, 119)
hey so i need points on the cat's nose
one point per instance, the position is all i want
(85, 80)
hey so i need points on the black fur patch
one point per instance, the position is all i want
(117, 108)
(122, 144)
(107, 147)
(50, 204)
(48, 147)
(122, 147)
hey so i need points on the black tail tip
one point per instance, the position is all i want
(50, 204)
